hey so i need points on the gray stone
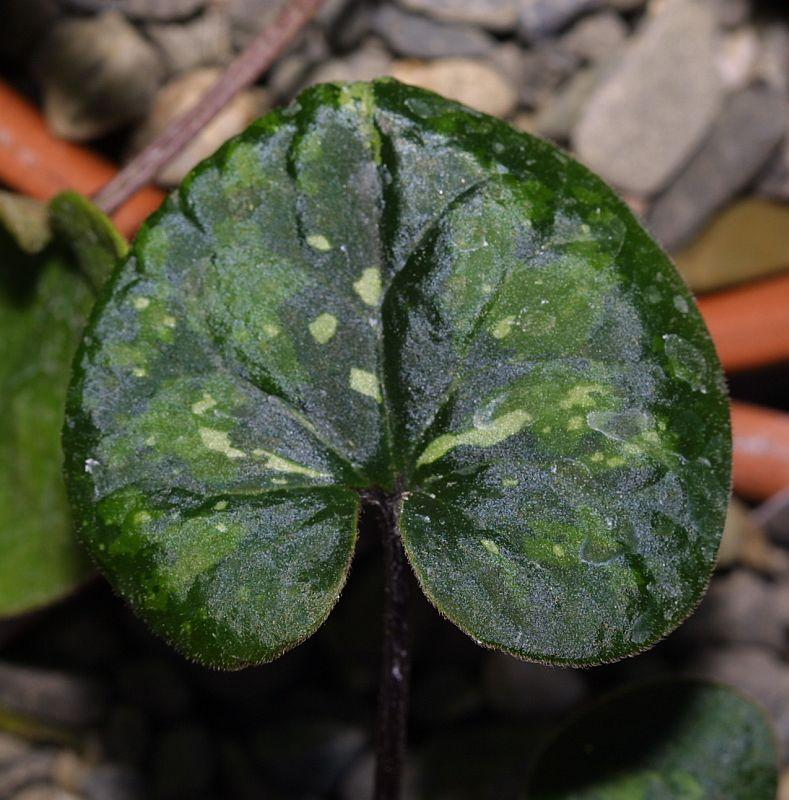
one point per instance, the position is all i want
(773, 514)
(112, 782)
(509, 60)
(514, 687)
(545, 67)
(738, 55)
(540, 18)
(774, 183)
(495, 15)
(44, 792)
(249, 17)
(595, 38)
(29, 770)
(559, 115)
(289, 72)
(731, 13)
(142, 9)
(98, 73)
(370, 61)
(773, 64)
(626, 6)
(647, 118)
(472, 82)
(740, 609)
(11, 748)
(204, 41)
(422, 37)
(52, 697)
(749, 130)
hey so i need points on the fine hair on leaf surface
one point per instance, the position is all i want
(372, 288)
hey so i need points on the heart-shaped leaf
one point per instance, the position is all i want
(44, 301)
(663, 740)
(379, 289)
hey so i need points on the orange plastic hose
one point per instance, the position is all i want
(761, 450)
(38, 164)
(750, 324)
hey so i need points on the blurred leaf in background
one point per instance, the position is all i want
(51, 261)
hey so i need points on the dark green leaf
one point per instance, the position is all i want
(378, 285)
(665, 740)
(43, 306)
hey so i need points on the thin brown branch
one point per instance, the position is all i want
(243, 71)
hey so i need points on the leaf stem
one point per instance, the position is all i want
(396, 659)
(244, 70)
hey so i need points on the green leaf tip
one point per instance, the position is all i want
(374, 285)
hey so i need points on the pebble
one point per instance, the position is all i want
(772, 66)
(97, 74)
(473, 83)
(559, 115)
(774, 182)
(540, 18)
(249, 17)
(651, 113)
(747, 133)
(545, 68)
(417, 36)
(30, 769)
(745, 543)
(11, 748)
(176, 98)
(204, 41)
(290, 72)
(50, 697)
(740, 609)
(112, 782)
(737, 56)
(731, 13)
(495, 15)
(370, 61)
(47, 793)
(514, 687)
(142, 9)
(596, 37)
(773, 514)
(747, 240)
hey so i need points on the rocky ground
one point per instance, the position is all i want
(683, 106)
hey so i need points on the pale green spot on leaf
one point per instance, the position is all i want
(220, 442)
(317, 241)
(323, 327)
(368, 287)
(485, 435)
(365, 383)
(503, 327)
(277, 463)
(491, 546)
(206, 404)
